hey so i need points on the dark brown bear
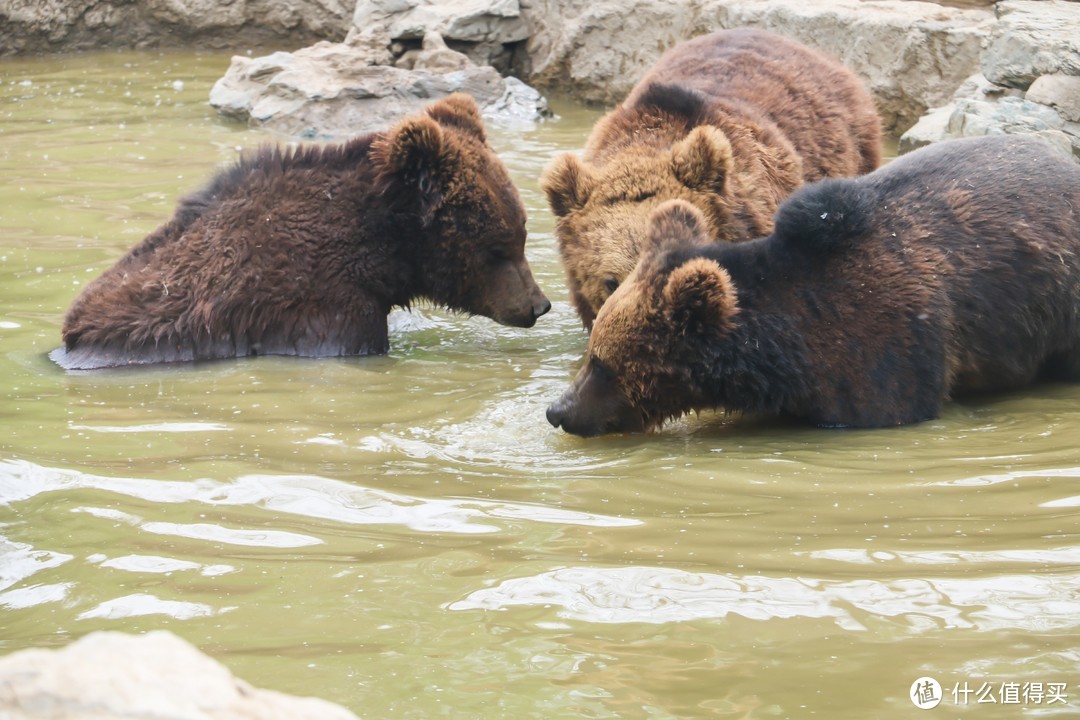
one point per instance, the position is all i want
(305, 252)
(731, 122)
(953, 269)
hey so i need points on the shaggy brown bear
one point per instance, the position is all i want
(732, 122)
(953, 269)
(304, 252)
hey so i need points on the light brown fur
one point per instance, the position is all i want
(732, 123)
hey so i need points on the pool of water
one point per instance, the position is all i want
(407, 536)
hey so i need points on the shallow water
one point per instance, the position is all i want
(408, 537)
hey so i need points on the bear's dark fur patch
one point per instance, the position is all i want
(305, 251)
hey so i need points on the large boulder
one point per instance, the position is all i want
(334, 91)
(115, 676)
(1029, 81)
(1033, 38)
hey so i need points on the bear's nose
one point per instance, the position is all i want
(541, 308)
(556, 413)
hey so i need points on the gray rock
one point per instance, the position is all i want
(114, 676)
(30, 26)
(1034, 47)
(972, 117)
(912, 55)
(334, 91)
(1033, 38)
(931, 128)
(983, 108)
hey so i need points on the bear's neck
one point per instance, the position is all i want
(758, 369)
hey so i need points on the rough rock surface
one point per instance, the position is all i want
(912, 55)
(1033, 38)
(332, 91)
(1029, 81)
(28, 26)
(482, 28)
(157, 676)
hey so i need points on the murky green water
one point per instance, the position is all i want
(408, 537)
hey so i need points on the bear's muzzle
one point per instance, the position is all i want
(595, 405)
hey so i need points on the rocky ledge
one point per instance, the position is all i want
(1010, 66)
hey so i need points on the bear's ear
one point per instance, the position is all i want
(459, 111)
(568, 184)
(413, 156)
(702, 160)
(699, 296)
(677, 222)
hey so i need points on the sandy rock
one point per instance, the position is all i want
(480, 28)
(157, 676)
(334, 91)
(434, 56)
(1061, 92)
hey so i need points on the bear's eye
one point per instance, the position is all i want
(611, 285)
(498, 254)
(637, 198)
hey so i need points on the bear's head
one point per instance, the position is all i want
(603, 212)
(439, 166)
(650, 345)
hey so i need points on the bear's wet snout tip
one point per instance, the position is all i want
(541, 308)
(556, 413)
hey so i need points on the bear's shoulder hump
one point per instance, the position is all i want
(826, 216)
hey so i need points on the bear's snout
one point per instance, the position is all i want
(513, 298)
(566, 413)
(595, 405)
(556, 413)
(539, 308)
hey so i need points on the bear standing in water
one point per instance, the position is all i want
(731, 122)
(305, 252)
(953, 269)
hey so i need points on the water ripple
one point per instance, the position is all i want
(162, 565)
(308, 496)
(231, 536)
(19, 561)
(660, 595)
(166, 427)
(34, 595)
(143, 604)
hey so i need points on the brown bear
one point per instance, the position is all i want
(732, 122)
(953, 269)
(304, 252)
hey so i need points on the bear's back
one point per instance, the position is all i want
(812, 99)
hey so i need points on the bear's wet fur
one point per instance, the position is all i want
(951, 270)
(731, 122)
(305, 251)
